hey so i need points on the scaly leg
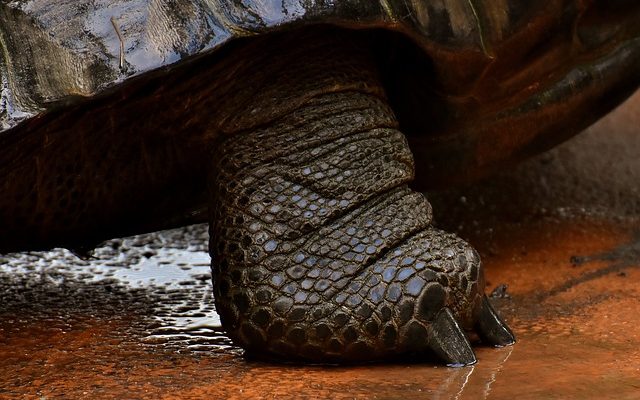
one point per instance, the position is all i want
(320, 250)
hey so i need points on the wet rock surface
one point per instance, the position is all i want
(136, 319)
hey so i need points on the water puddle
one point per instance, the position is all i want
(164, 277)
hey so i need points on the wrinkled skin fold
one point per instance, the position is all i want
(320, 250)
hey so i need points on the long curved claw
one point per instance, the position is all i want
(491, 328)
(449, 342)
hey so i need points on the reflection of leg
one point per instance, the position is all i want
(501, 358)
(321, 252)
(455, 384)
(468, 383)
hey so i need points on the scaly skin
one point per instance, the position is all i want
(320, 250)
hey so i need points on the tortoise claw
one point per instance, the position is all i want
(491, 328)
(449, 342)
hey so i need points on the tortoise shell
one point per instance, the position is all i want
(475, 84)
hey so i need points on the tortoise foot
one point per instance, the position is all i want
(320, 250)
(324, 254)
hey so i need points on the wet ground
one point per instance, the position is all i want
(559, 236)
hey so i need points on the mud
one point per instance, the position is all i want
(136, 319)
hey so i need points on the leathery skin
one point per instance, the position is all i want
(320, 250)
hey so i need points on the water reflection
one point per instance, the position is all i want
(474, 382)
(163, 277)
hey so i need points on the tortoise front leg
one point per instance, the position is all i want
(322, 253)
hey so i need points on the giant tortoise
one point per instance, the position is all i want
(296, 128)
